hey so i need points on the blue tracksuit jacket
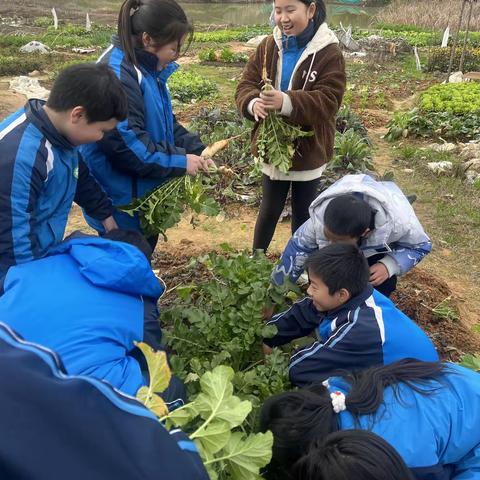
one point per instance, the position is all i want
(42, 173)
(149, 146)
(368, 330)
(57, 426)
(438, 435)
(85, 302)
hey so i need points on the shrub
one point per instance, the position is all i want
(439, 59)
(207, 55)
(186, 86)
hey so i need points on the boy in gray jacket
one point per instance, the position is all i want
(374, 215)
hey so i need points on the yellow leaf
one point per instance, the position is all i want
(152, 401)
(158, 368)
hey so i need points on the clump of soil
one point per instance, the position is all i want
(417, 296)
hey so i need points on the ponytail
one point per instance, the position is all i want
(164, 20)
(368, 386)
(125, 31)
(298, 419)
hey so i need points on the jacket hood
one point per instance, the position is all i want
(111, 264)
(376, 194)
(36, 114)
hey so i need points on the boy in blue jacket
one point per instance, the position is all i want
(90, 300)
(357, 327)
(41, 168)
(58, 426)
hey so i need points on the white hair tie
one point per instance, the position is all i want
(338, 401)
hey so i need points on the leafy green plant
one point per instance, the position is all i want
(453, 98)
(214, 420)
(220, 322)
(439, 59)
(446, 311)
(227, 55)
(471, 361)
(163, 207)
(347, 119)
(398, 126)
(186, 86)
(207, 55)
(352, 154)
(240, 34)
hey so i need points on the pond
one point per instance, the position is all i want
(257, 13)
(106, 11)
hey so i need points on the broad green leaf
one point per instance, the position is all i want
(152, 401)
(213, 438)
(246, 456)
(216, 401)
(158, 368)
(471, 361)
(211, 472)
(181, 416)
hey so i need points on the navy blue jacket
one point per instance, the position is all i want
(148, 147)
(42, 173)
(368, 330)
(56, 426)
(437, 434)
(85, 301)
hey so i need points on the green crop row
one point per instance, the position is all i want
(453, 98)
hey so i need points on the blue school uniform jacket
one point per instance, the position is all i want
(42, 173)
(437, 435)
(56, 426)
(85, 302)
(148, 147)
(368, 330)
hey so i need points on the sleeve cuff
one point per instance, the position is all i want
(250, 106)
(287, 106)
(391, 264)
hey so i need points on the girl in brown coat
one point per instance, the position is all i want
(307, 70)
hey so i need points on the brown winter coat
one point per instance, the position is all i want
(315, 101)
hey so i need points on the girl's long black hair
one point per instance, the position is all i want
(320, 11)
(298, 419)
(164, 20)
(357, 454)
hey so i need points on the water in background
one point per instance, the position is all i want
(257, 13)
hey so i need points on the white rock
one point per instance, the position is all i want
(456, 77)
(35, 47)
(470, 150)
(471, 177)
(442, 147)
(440, 167)
(408, 170)
(30, 87)
(255, 41)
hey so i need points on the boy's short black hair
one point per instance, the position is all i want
(133, 238)
(340, 265)
(349, 216)
(93, 87)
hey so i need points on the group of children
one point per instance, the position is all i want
(373, 401)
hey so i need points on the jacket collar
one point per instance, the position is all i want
(300, 41)
(322, 38)
(36, 114)
(149, 61)
(353, 303)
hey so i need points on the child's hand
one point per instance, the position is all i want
(267, 350)
(378, 274)
(272, 99)
(109, 224)
(259, 111)
(196, 163)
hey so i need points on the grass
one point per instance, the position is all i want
(455, 206)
